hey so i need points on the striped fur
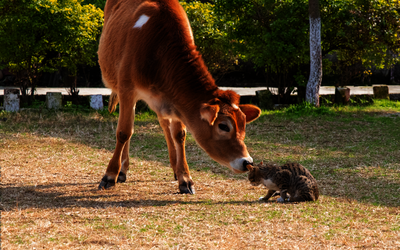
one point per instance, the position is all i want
(291, 178)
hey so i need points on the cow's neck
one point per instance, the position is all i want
(186, 104)
(186, 85)
(181, 85)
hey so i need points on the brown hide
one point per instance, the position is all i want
(147, 52)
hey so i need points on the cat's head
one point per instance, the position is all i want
(254, 175)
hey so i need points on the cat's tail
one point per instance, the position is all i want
(315, 192)
(306, 196)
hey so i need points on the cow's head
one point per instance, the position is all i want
(222, 132)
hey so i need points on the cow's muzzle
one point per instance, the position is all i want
(239, 165)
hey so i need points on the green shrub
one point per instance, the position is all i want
(44, 35)
(275, 36)
(210, 36)
(98, 3)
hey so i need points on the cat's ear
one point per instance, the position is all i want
(249, 167)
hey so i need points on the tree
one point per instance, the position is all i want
(315, 78)
(98, 3)
(45, 35)
(360, 35)
(274, 35)
(210, 36)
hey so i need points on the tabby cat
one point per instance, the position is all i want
(291, 178)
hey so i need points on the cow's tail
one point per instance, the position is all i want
(112, 103)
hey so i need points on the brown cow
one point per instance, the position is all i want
(147, 52)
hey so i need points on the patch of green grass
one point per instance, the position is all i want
(53, 162)
(307, 108)
(38, 104)
(396, 228)
(178, 228)
(19, 241)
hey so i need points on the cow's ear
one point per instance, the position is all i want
(252, 112)
(209, 112)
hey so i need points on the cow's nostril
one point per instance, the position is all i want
(245, 163)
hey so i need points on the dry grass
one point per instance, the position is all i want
(52, 163)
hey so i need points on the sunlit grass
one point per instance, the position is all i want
(52, 163)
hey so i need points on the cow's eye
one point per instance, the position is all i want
(223, 127)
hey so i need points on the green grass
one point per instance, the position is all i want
(52, 163)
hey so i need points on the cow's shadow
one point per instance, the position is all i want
(86, 195)
(89, 197)
(53, 195)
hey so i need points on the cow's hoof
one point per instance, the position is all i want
(106, 183)
(186, 188)
(121, 177)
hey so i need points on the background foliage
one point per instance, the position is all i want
(45, 35)
(210, 35)
(275, 36)
(359, 37)
(360, 33)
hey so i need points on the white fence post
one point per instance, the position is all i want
(342, 95)
(11, 100)
(96, 102)
(381, 92)
(53, 100)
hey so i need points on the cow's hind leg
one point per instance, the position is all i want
(124, 133)
(125, 158)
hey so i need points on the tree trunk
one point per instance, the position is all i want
(314, 82)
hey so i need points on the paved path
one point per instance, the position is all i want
(325, 90)
(251, 91)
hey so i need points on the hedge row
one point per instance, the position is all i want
(358, 36)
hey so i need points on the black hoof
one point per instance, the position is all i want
(121, 177)
(186, 188)
(106, 183)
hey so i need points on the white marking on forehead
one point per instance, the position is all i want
(235, 106)
(141, 21)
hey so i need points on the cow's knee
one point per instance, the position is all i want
(123, 137)
(180, 136)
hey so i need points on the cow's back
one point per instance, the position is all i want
(133, 54)
(117, 23)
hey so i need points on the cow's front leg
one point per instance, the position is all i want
(178, 134)
(166, 126)
(124, 133)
